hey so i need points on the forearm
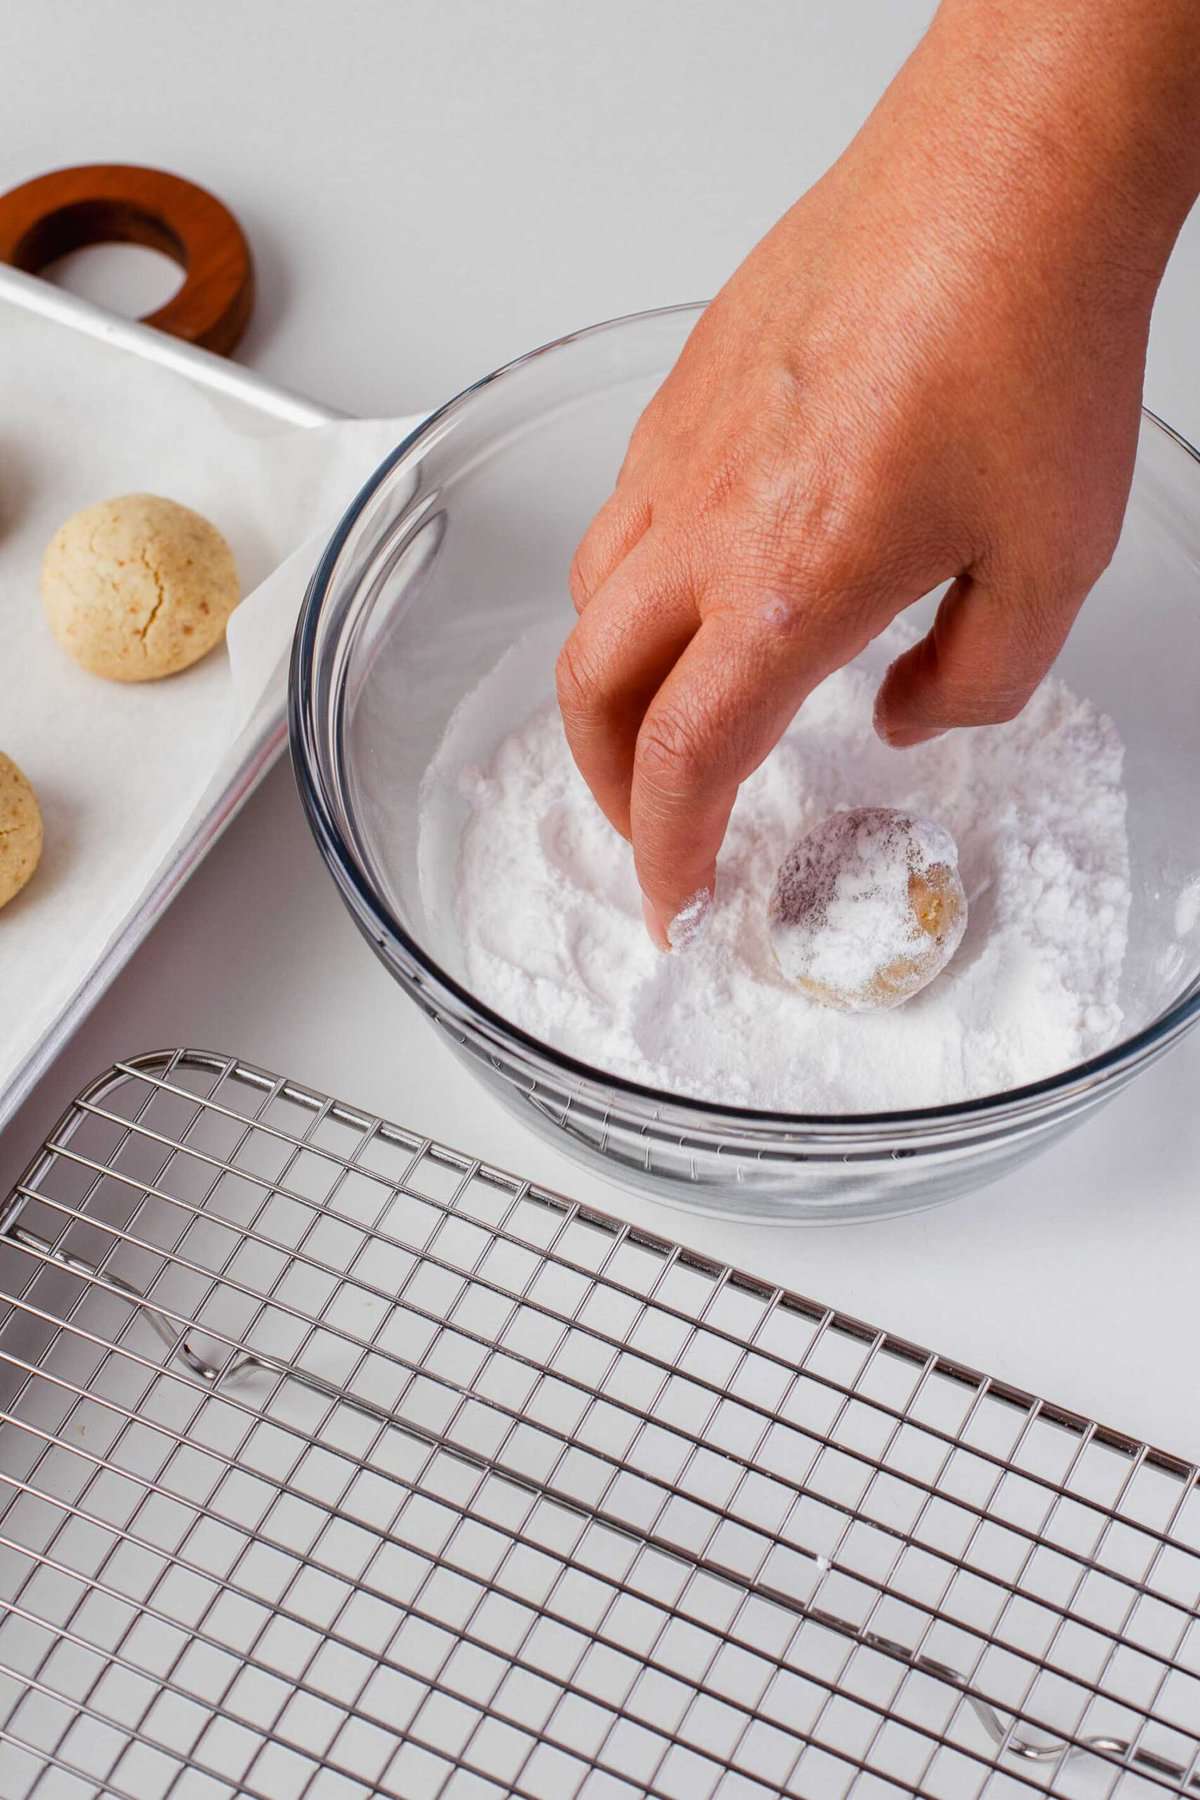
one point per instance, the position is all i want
(1095, 103)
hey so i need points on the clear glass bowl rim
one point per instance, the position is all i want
(392, 942)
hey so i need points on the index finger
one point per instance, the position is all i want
(613, 664)
(717, 716)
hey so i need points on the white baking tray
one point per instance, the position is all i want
(256, 744)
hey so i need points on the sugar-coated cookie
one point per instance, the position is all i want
(138, 587)
(868, 908)
(20, 830)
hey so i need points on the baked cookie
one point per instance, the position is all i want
(138, 587)
(20, 830)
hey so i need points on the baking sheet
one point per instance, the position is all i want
(122, 771)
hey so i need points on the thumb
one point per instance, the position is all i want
(989, 647)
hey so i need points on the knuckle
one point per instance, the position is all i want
(846, 545)
(801, 588)
(836, 571)
(1001, 707)
(819, 548)
(589, 565)
(580, 580)
(577, 682)
(994, 704)
(785, 610)
(667, 755)
(616, 528)
(642, 437)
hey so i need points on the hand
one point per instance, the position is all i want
(929, 371)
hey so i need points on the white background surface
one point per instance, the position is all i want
(430, 188)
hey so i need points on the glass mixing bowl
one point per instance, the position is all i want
(459, 545)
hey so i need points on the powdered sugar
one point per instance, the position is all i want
(688, 922)
(550, 915)
(1187, 908)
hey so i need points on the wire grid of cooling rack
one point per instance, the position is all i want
(334, 1464)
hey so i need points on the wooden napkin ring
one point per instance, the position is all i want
(119, 203)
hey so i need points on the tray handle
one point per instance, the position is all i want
(101, 203)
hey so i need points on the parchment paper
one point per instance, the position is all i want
(118, 769)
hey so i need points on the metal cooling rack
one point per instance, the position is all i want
(333, 1464)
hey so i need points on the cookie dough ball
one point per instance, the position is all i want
(138, 587)
(20, 830)
(868, 908)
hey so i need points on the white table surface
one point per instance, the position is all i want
(431, 187)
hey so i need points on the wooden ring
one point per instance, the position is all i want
(105, 203)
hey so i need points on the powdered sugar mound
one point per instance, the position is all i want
(551, 920)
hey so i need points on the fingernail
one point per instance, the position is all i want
(658, 935)
(688, 924)
(907, 737)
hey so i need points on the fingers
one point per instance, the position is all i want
(619, 525)
(988, 649)
(614, 662)
(720, 711)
